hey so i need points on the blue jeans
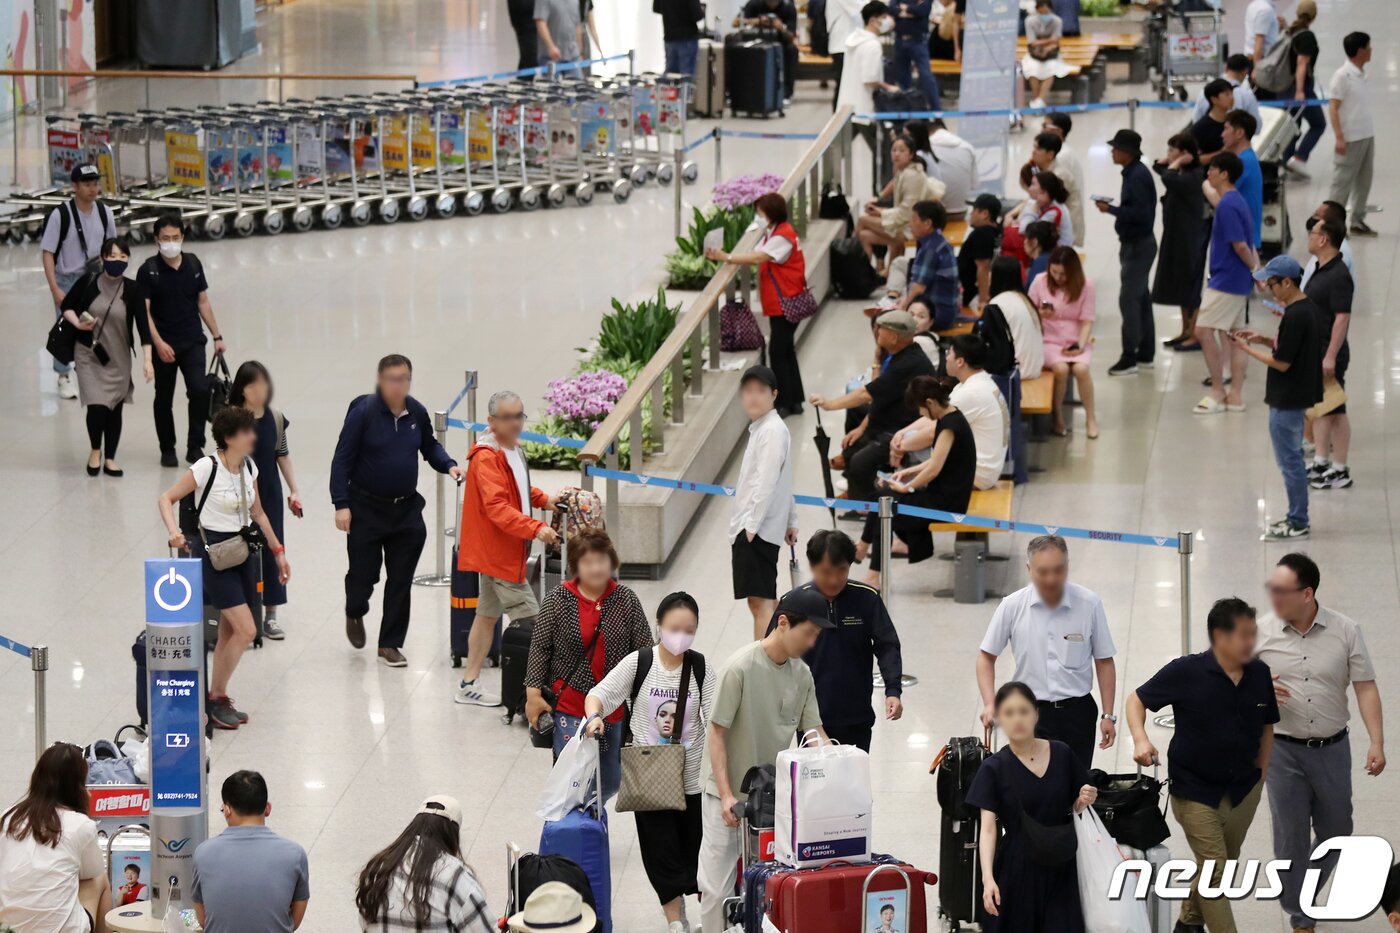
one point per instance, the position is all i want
(914, 52)
(1312, 115)
(1286, 432)
(65, 281)
(681, 57)
(610, 750)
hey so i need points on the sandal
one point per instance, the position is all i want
(1208, 406)
(1240, 407)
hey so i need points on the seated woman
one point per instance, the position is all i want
(51, 873)
(943, 481)
(1009, 295)
(921, 308)
(888, 226)
(1042, 63)
(1047, 201)
(1064, 296)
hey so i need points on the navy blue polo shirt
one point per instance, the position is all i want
(1215, 748)
(378, 451)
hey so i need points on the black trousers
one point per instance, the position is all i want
(859, 736)
(838, 62)
(1075, 722)
(782, 356)
(529, 42)
(190, 365)
(670, 844)
(1135, 298)
(105, 428)
(392, 534)
(863, 461)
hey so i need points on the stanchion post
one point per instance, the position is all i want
(39, 662)
(679, 183)
(886, 549)
(440, 576)
(1132, 113)
(631, 63)
(719, 157)
(14, 131)
(471, 407)
(1185, 547)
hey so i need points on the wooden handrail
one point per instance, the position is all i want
(693, 317)
(198, 75)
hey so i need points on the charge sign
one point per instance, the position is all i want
(174, 591)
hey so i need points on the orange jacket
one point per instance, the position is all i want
(495, 531)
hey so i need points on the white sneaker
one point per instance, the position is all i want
(1037, 104)
(1298, 167)
(676, 926)
(67, 388)
(469, 693)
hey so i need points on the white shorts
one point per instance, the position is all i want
(1221, 310)
(1040, 69)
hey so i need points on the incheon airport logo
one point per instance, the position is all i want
(1362, 863)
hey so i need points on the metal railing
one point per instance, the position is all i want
(828, 158)
(39, 663)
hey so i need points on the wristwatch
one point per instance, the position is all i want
(1110, 717)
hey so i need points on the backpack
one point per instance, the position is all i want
(108, 765)
(852, 276)
(737, 328)
(67, 213)
(1273, 73)
(533, 870)
(582, 507)
(645, 658)
(996, 334)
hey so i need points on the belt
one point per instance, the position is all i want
(385, 500)
(1313, 743)
(1061, 704)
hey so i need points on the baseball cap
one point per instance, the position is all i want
(1280, 267)
(990, 203)
(760, 372)
(1127, 141)
(901, 322)
(444, 806)
(86, 172)
(806, 604)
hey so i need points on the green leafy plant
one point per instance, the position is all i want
(1100, 8)
(689, 272)
(701, 223)
(633, 333)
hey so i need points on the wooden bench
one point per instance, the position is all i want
(962, 327)
(954, 231)
(813, 67)
(994, 503)
(972, 546)
(1037, 394)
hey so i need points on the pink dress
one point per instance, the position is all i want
(1062, 328)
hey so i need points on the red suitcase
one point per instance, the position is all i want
(832, 899)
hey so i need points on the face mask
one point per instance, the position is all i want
(170, 250)
(760, 221)
(114, 267)
(886, 24)
(677, 642)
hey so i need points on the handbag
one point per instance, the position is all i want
(544, 737)
(653, 776)
(834, 206)
(737, 328)
(62, 340)
(1048, 845)
(231, 552)
(796, 308)
(1129, 806)
(220, 385)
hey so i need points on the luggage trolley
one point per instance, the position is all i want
(598, 120)
(1193, 48)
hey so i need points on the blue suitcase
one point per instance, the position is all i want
(754, 77)
(466, 590)
(753, 906)
(582, 837)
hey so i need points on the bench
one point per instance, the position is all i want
(1037, 394)
(962, 327)
(814, 67)
(971, 549)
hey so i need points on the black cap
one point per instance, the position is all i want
(989, 203)
(762, 373)
(86, 172)
(805, 604)
(1127, 141)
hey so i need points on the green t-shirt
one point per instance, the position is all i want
(763, 705)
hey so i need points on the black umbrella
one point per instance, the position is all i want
(824, 448)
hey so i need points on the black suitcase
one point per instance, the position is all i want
(754, 78)
(852, 275)
(466, 590)
(959, 873)
(515, 654)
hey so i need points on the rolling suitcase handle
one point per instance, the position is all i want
(512, 879)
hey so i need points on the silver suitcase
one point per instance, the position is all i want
(1159, 910)
(709, 79)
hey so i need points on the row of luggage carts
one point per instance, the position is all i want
(357, 159)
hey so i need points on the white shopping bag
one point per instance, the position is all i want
(1097, 858)
(570, 783)
(823, 804)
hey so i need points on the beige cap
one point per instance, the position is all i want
(444, 806)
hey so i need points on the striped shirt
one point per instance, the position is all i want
(455, 899)
(936, 269)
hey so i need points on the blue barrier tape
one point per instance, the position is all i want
(741, 134)
(458, 400)
(641, 479)
(522, 73)
(16, 647)
(1068, 108)
(573, 443)
(696, 144)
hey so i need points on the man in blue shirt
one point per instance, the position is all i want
(911, 19)
(1133, 217)
(934, 270)
(1232, 261)
(1238, 131)
(374, 487)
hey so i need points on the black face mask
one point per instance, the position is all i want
(116, 268)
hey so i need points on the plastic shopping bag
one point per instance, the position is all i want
(1096, 860)
(824, 803)
(571, 783)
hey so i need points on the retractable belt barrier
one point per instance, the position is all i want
(39, 663)
(550, 69)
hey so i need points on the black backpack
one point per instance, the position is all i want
(996, 334)
(532, 870)
(66, 212)
(760, 785)
(852, 275)
(954, 768)
(834, 206)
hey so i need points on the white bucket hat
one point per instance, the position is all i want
(554, 908)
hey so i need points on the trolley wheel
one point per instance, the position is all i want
(34, 229)
(214, 227)
(244, 223)
(473, 203)
(361, 213)
(690, 172)
(529, 197)
(274, 222)
(303, 219)
(389, 210)
(136, 236)
(583, 194)
(638, 174)
(621, 190)
(556, 194)
(665, 173)
(500, 200)
(417, 208)
(15, 236)
(332, 216)
(445, 205)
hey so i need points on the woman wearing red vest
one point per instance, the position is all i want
(782, 273)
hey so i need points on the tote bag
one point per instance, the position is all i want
(823, 805)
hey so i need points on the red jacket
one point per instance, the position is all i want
(782, 280)
(495, 531)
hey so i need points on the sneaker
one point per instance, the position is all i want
(1332, 479)
(1144, 364)
(1298, 167)
(1037, 104)
(1182, 927)
(1359, 228)
(676, 926)
(222, 714)
(1317, 469)
(242, 716)
(67, 387)
(168, 459)
(392, 657)
(1285, 531)
(1123, 368)
(470, 694)
(355, 631)
(1308, 446)
(273, 631)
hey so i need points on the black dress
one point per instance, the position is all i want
(1034, 898)
(1181, 257)
(265, 454)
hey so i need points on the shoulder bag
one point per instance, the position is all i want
(653, 776)
(220, 384)
(231, 552)
(796, 308)
(544, 737)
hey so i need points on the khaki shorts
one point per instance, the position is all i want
(502, 598)
(1221, 310)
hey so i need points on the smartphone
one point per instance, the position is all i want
(1073, 346)
(1101, 198)
(86, 317)
(297, 511)
(1047, 306)
(884, 477)
(1273, 306)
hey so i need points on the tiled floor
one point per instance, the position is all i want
(349, 747)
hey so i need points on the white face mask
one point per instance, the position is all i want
(677, 642)
(760, 221)
(170, 250)
(886, 24)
